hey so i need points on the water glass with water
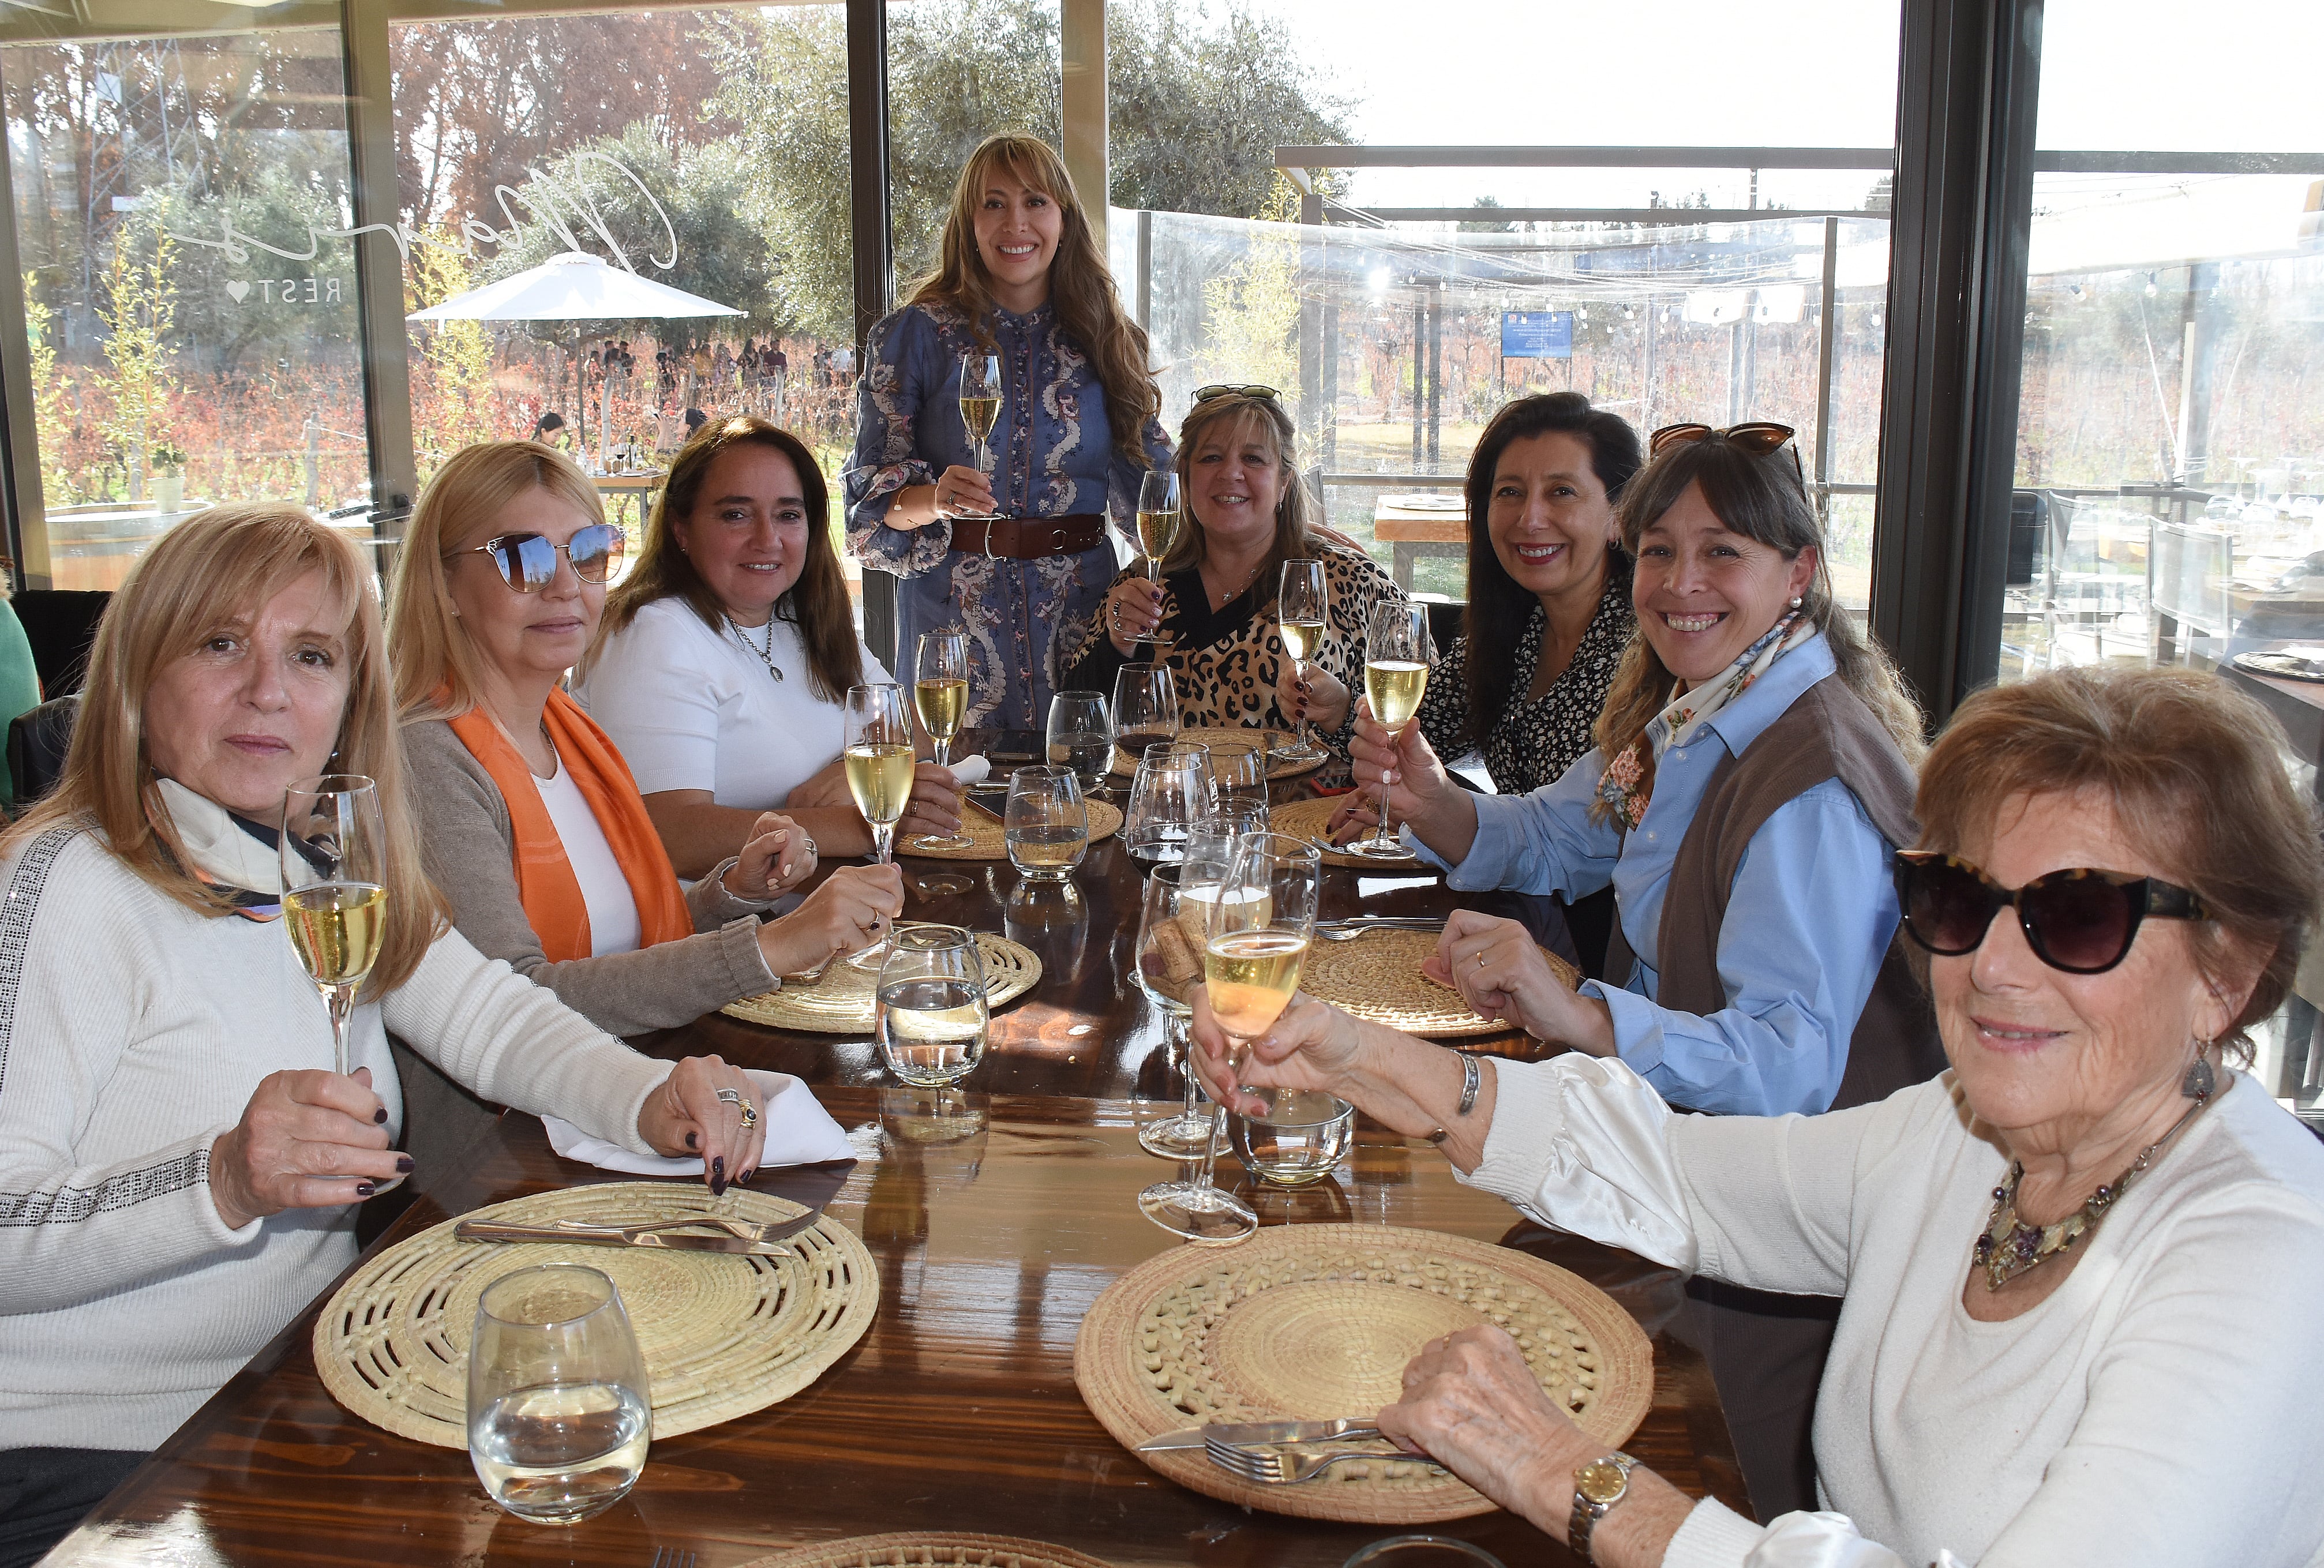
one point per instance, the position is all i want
(1299, 1139)
(1170, 793)
(931, 1013)
(560, 1413)
(1081, 737)
(1046, 825)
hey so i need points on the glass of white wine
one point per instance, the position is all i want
(979, 402)
(1397, 652)
(333, 849)
(1258, 934)
(1300, 607)
(940, 692)
(559, 1412)
(932, 1013)
(1081, 737)
(1172, 928)
(1158, 517)
(880, 764)
(1046, 825)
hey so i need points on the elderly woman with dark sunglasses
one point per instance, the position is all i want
(533, 825)
(2080, 1270)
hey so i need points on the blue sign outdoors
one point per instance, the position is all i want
(1536, 334)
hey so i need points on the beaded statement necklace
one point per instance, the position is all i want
(2009, 1246)
(767, 653)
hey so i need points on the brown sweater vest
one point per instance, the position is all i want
(1828, 732)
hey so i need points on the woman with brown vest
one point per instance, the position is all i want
(1754, 761)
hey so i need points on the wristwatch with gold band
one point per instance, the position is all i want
(1597, 1486)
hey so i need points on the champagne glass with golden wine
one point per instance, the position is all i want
(979, 402)
(1397, 652)
(334, 852)
(880, 764)
(940, 693)
(1160, 514)
(1257, 928)
(1300, 606)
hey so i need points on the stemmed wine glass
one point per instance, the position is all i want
(1259, 928)
(940, 692)
(334, 852)
(979, 402)
(1081, 737)
(1397, 652)
(1171, 931)
(1171, 793)
(1300, 606)
(1158, 515)
(879, 766)
(1145, 708)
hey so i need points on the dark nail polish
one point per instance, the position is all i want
(380, 1114)
(692, 1141)
(403, 1165)
(718, 1178)
(366, 1189)
(745, 1180)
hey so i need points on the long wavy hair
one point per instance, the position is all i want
(434, 659)
(816, 604)
(1230, 414)
(1500, 606)
(1080, 285)
(208, 577)
(1762, 499)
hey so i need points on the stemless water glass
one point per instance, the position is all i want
(1046, 826)
(1299, 1139)
(940, 693)
(931, 1013)
(1145, 708)
(979, 402)
(1300, 608)
(1081, 737)
(1158, 515)
(1258, 932)
(560, 1415)
(1397, 652)
(334, 851)
(1239, 775)
(1170, 793)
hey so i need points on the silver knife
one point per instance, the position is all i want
(669, 1241)
(1262, 1432)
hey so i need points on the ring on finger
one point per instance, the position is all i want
(750, 1116)
(727, 1096)
(1480, 959)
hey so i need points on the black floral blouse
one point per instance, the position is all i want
(1534, 741)
(1225, 661)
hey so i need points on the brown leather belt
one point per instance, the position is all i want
(1029, 538)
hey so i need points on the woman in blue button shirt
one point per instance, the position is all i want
(1020, 277)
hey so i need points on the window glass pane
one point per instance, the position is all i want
(180, 356)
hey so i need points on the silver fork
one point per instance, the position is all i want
(742, 1230)
(1348, 930)
(672, 1557)
(1281, 1466)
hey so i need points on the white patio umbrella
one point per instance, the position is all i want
(574, 287)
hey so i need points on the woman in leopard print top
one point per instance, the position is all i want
(1215, 603)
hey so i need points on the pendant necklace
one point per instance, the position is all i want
(766, 655)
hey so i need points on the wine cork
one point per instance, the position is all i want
(1182, 960)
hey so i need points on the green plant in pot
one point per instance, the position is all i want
(167, 464)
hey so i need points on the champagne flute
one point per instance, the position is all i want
(1081, 737)
(334, 851)
(879, 766)
(1397, 652)
(1259, 931)
(560, 1413)
(979, 402)
(940, 692)
(1172, 928)
(1145, 708)
(1158, 516)
(1300, 607)
(932, 1010)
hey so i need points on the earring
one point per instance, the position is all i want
(2201, 1082)
(1796, 601)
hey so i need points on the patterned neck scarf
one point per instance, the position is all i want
(1627, 784)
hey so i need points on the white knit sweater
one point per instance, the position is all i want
(2162, 1407)
(133, 1033)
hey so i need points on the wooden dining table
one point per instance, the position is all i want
(995, 1214)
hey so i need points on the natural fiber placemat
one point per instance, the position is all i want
(1307, 818)
(839, 1001)
(985, 840)
(1125, 766)
(1309, 1322)
(929, 1549)
(1378, 977)
(722, 1335)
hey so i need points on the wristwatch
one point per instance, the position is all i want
(1597, 1486)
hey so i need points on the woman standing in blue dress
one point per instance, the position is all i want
(1020, 276)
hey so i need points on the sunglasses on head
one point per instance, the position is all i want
(1760, 437)
(1203, 394)
(528, 562)
(2083, 921)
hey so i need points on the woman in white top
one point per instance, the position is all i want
(2080, 1270)
(180, 1165)
(725, 656)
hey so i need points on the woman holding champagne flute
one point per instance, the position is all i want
(181, 1162)
(1005, 413)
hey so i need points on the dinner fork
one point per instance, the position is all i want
(1281, 1466)
(672, 1557)
(742, 1230)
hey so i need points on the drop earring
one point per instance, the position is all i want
(2201, 1082)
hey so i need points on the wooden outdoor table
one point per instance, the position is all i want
(957, 1410)
(1413, 532)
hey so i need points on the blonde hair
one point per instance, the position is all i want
(1237, 410)
(1080, 285)
(205, 577)
(436, 662)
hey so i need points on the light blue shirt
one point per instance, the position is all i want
(1809, 918)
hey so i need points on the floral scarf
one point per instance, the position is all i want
(1627, 784)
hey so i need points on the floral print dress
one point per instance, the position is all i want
(1053, 455)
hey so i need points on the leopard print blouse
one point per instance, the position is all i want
(1224, 662)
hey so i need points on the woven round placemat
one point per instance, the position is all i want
(722, 1335)
(985, 841)
(840, 1000)
(1310, 1322)
(1306, 819)
(1378, 977)
(1125, 766)
(929, 1549)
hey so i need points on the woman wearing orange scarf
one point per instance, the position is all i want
(531, 822)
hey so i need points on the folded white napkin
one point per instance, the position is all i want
(799, 1131)
(971, 769)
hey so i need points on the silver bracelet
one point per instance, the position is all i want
(1471, 1075)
